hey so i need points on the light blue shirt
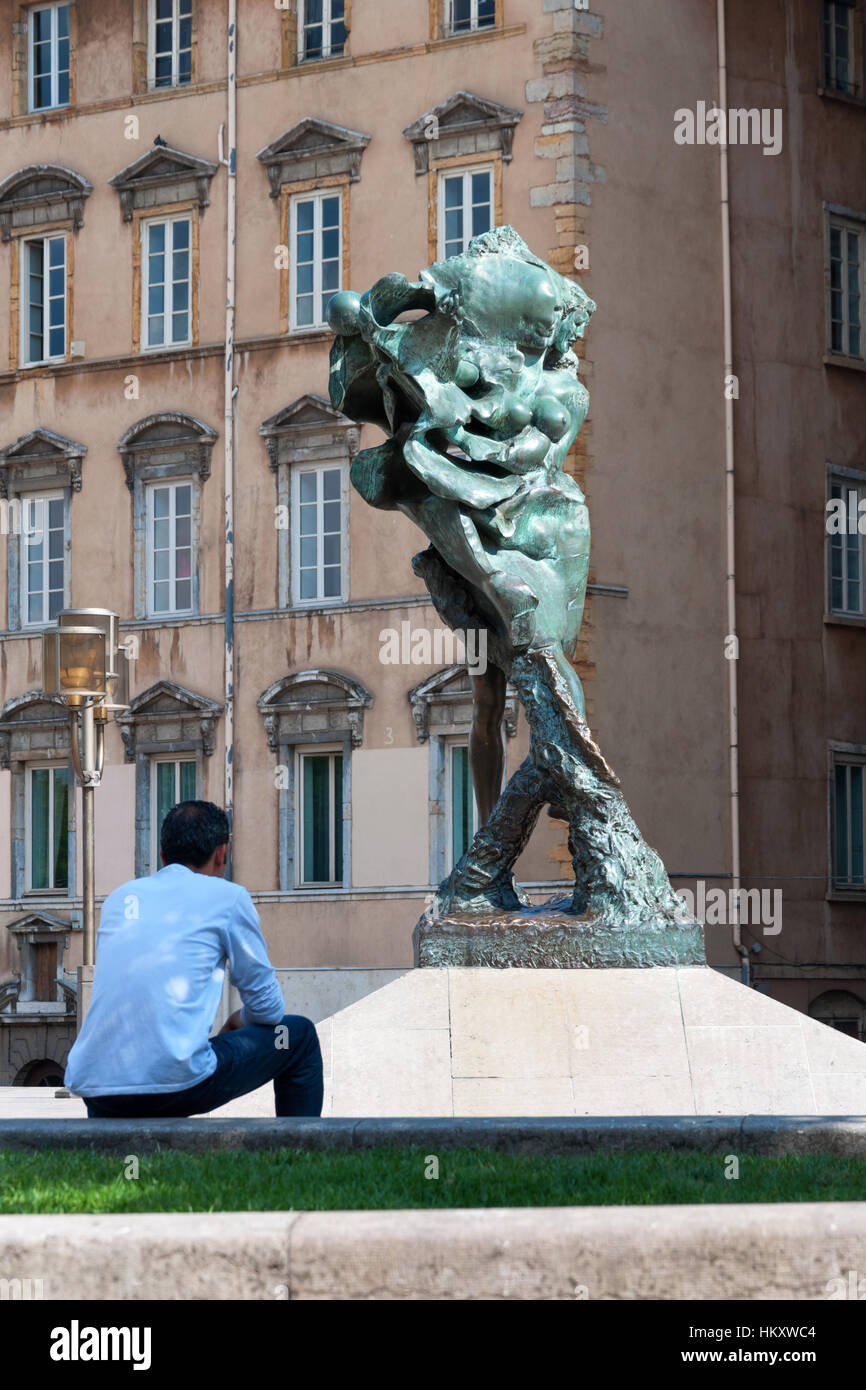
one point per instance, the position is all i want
(161, 952)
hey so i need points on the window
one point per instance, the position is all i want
(847, 243)
(48, 828)
(461, 801)
(318, 542)
(465, 209)
(320, 817)
(43, 280)
(849, 850)
(43, 557)
(170, 43)
(317, 241)
(322, 29)
(49, 57)
(169, 548)
(172, 780)
(167, 282)
(462, 16)
(846, 548)
(839, 46)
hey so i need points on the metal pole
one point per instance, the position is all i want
(229, 411)
(88, 750)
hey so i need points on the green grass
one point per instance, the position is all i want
(83, 1181)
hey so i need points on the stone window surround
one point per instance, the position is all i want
(292, 725)
(439, 30)
(859, 55)
(24, 469)
(20, 59)
(840, 752)
(837, 212)
(431, 702)
(486, 129)
(289, 440)
(186, 732)
(34, 929)
(191, 447)
(141, 31)
(334, 162)
(290, 56)
(857, 478)
(53, 213)
(23, 742)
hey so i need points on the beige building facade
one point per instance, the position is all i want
(373, 138)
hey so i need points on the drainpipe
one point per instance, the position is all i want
(730, 527)
(230, 392)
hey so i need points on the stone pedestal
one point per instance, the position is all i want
(666, 1041)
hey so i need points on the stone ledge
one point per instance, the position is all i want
(794, 1251)
(721, 1134)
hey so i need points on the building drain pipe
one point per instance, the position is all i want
(230, 392)
(732, 641)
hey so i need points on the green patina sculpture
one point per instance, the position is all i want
(471, 373)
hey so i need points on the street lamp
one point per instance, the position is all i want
(84, 662)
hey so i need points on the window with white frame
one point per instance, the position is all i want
(319, 817)
(846, 546)
(43, 299)
(317, 245)
(47, 792)
(171, 780)
(463, 16)
(169, 42)
(462, 811)
(48, 55)
(848, 845)
(167, 282)
(42, 557)
(839, 26)
(465, 208)
(169, 549)
(321, 29)
(319, 533)
(847, 253)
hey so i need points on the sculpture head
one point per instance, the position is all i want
(472, 361)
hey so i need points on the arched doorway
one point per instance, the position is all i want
(841, 1009)
(44, 1073)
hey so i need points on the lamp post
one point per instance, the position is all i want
(84, 662)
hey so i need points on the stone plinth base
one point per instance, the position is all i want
(667, 1041)
(551, 936)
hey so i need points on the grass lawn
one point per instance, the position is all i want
(82, 1181)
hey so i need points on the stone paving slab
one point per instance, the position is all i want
(790, 1251)
(758, 1134)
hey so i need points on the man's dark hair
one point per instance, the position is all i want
(191, 832)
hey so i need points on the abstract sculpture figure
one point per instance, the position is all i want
(471, 373)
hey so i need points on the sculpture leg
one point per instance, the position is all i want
(486, 754)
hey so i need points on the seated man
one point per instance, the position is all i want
(162, 946)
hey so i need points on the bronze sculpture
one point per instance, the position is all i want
(471, 372)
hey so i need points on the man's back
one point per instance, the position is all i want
(161, 950)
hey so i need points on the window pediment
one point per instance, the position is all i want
(310, 703)
(33, 723)
(41, 458)
(167, 716)
(313, 149)
(464, 124)
(170, 441)
(308, 429)
(442, 704)
(163, 175)
(42, 193)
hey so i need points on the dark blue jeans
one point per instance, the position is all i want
(287, 1053)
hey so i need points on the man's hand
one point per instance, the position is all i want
(232, 1022)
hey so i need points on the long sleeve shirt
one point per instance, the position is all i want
(161, 952)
